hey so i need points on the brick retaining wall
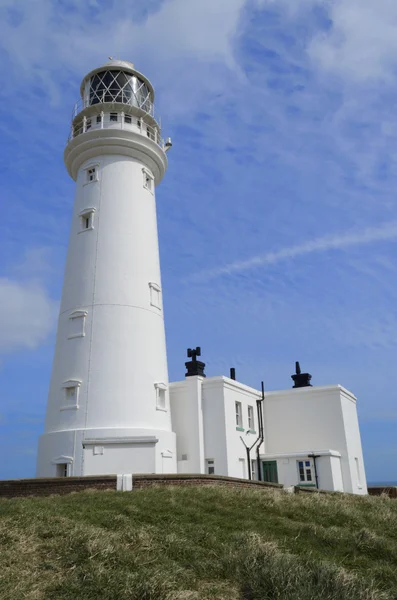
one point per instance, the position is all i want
(55, 485)
(65, 485)
(378, 490)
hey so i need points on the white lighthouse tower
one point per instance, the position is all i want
(108, 407)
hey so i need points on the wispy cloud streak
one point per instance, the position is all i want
(384, 232)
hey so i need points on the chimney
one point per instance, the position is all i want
(232, 373)
(301, 379)
(194, 367)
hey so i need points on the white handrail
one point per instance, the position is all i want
(90, 124)
(146, 105)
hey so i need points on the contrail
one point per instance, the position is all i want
(387, 231)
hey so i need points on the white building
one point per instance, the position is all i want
(110, 404)
(311, 435)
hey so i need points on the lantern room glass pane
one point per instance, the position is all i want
(121, 87)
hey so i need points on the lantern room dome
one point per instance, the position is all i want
(126, 70)
(122, 64)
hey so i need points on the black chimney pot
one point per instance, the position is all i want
(194, 367)
(301, 379)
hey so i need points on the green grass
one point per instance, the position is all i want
(189, 543)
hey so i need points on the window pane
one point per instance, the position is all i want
(307, 463)
(309, 475)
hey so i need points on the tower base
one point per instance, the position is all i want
(106, 452)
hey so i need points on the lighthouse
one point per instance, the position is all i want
(108, 407)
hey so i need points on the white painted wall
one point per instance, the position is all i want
(310, 418)
(120, 458)
(214, 424)
(237, 457)
(327, 464)
(187, 418)
(353, 444)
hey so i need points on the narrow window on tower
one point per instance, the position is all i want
(91, 174)
(155, 295)
(62, 470)
(88, 124)
(161, 396)
(99, 118)
(148, 180)
(77, 324)
(87, 219)
(127, 119)
(113, 117)
(70, 391)
(210, 463)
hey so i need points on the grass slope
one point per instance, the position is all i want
(198, 543)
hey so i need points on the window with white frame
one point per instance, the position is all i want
(99, 118)
(210, 466)
(239, 415)
(251, 423)
(254, 465)
(70, 394)
(91, 174)
(77, 324)
(148, 181)
(161, 396)
(87, 219)
(155, 295)
(305, 471)
(88, 124)
(127, 119)
(113, 116)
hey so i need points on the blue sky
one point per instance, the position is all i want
(278, 214)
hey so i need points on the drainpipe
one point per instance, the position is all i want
(259, 408)
(248, 462)
(258, 439)
(314, 456)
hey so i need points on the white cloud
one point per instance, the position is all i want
(339, 241)
(27, 315)
(361, 43)
(27, 312)
(45, 36)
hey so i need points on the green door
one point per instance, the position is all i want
(269, 469)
